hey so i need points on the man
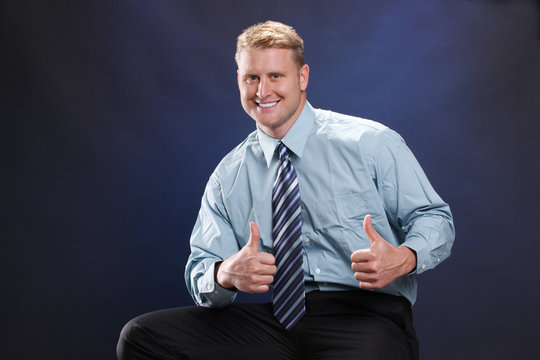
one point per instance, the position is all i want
(331, 213)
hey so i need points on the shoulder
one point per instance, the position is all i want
(346, 128)
(237, 157)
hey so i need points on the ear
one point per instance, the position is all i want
(304, 77)
(239, 80)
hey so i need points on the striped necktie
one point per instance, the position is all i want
(288, 296)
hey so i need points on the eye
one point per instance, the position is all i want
(276, 76)
(251, 79)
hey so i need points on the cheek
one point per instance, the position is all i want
(245, 99)
(290, 89)
(246, 92)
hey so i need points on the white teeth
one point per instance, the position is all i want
(268, 105)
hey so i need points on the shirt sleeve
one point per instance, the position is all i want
(212, 241)
(411, 204)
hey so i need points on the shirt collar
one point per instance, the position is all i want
(295, 139)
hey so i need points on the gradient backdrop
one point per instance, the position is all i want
(114, 114)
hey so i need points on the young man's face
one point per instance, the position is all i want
(272, 88)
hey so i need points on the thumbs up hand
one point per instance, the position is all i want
(248, 270)
(382, 263)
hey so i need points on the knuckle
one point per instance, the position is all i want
(254, 267)
(376, 266)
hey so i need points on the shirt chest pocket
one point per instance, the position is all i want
(343, 211)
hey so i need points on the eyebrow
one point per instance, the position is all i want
(250, 73)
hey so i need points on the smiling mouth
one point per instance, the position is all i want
(267, 105)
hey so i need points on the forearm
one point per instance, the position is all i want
(211, 242)
(431, 238)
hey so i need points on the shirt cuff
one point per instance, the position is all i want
(211, 293)
(423, 259)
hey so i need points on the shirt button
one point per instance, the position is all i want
(439, 260)
(307, 239)
(424, 267)
(208, 286)
(318, 271)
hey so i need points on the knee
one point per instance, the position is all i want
(131, 339)
(127, 329)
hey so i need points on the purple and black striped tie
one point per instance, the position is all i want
(288, 296)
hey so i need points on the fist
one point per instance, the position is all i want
(382, 263)
(249, 270)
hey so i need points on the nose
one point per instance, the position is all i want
(263, 90)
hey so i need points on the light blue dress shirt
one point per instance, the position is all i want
(347, 167)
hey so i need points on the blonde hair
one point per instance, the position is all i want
(271, 34)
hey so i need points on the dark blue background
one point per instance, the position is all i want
(114, 114)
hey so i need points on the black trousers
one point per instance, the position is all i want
(337, 325)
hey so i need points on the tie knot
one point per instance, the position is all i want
(282, 151)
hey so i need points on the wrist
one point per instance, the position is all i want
(410, 261)
(220, 279)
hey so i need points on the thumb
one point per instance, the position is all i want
(370, 230)
(254, 234)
